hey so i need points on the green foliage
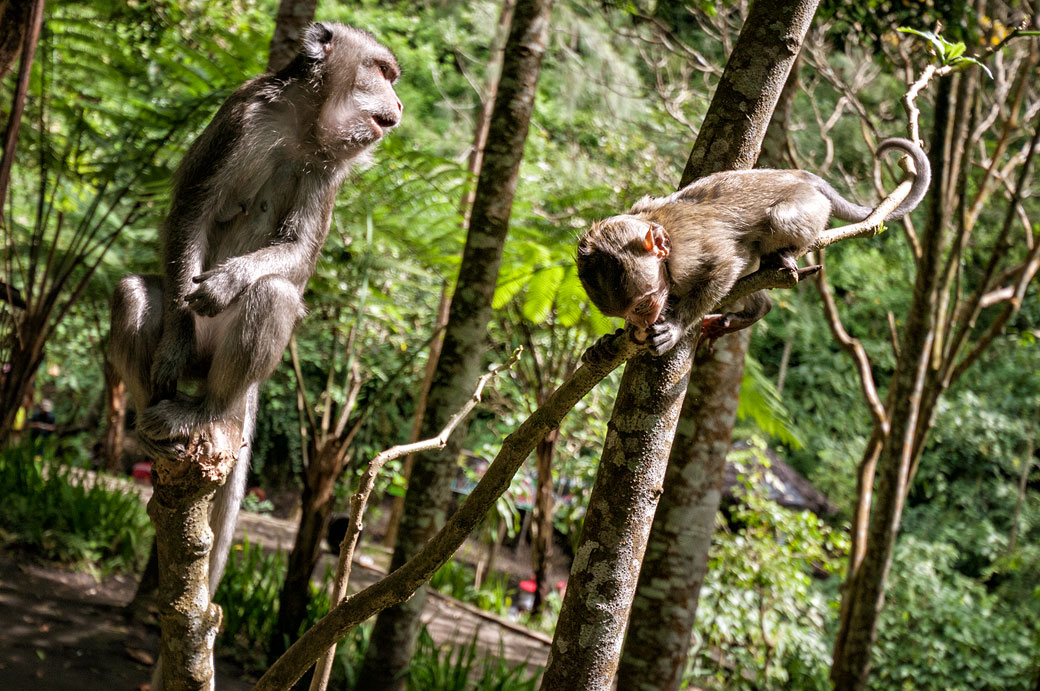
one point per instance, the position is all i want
(462, 668)
(760, 402)
(762, 615)
(949, 52)
(59, 513)
(940, 630)
(248, 594)
(456, 579)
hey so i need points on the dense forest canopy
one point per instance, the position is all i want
(117, 92)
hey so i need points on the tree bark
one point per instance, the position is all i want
(654, 656)
(599, 594)
(115, 419)
(429, 491)
(665, 604)
(292, 18)
(542, 523)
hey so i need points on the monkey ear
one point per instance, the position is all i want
(316, 40)
(656, 241)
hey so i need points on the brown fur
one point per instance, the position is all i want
(715, 230)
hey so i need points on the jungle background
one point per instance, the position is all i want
(117, 92)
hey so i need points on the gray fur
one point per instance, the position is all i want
(718, 229)
(251, 206)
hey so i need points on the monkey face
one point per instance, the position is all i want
(622, 262)
(357, 75)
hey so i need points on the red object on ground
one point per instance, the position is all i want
(142, 472)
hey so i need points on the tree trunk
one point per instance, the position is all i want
(865, 585)
(115, 419)
(390, 538)
(676, 560)
(179, 509)
(293, 17)
(542, 538)
(429, 491)
(14, 17)
(316, 508)
(599, 594)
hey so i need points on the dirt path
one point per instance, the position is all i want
(448, 620)
(63, 631)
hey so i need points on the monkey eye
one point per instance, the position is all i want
(644, 306)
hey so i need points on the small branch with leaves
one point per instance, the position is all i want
(359, 501)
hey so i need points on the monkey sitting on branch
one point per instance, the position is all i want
(670, 260)
(251, 206)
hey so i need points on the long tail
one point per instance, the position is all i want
(228, 500)
(849, 211)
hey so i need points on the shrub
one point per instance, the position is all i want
(63, 514)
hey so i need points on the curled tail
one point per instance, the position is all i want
(849, 211)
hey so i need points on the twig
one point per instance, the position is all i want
(359, 501)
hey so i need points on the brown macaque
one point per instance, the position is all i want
(251, 206)
(671, 259)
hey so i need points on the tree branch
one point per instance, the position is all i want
(399, 585)
(359, 501)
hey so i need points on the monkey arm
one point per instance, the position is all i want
(292, 259)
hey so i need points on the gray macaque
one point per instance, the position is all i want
(251, 207)
(671, 259)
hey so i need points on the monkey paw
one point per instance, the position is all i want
(161, 448)
(169, 423)
(662, 336)
(217, 289)
(603, 349)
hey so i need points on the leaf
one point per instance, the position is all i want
(541, 293)
(760, 401)
(963, 62)
(937, 41)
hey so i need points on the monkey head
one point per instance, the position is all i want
(623, 265)
(352, 77)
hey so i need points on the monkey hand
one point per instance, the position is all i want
(663, 335)
(217, 288)
(604, 349)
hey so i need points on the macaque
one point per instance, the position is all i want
(670, 260)
(251, 206)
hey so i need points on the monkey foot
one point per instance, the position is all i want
(166, 427)
(715, 326)
(162, 448)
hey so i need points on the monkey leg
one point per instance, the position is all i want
(136, 328)
(249, 339)
(714, 326)
(255, 342)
